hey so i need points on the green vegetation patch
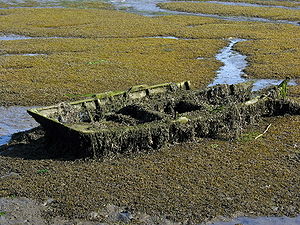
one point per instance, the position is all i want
(275, 58)
(42, 171)
(227, 10)
(262, 2)
(81, 66)
(78, 23)
(81, 4)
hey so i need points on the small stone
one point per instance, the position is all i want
(11, 174)
(94, 216)
(48, 201)
(125, 216)
(245, 75)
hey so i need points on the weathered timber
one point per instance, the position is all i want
(148, 117)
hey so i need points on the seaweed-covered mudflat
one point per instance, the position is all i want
(54, 51)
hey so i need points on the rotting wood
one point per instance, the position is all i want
(149, 117)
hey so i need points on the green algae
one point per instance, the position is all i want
(69, 64)
(109, 35)
(225, 10)
(82, 4)
(42, 171)
(79, 23)
(131, 62)
(263, 2)
(275, 58)
(192, 182)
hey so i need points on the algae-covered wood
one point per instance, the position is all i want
(148, 117)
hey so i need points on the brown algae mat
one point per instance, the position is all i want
(192, 182)
(227, 10)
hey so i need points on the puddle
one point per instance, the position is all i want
(12, 37)
(27, 54)
(263, 83)
(14, 119)
(170, 37)
(262, 221)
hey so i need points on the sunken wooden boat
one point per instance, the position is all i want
(149, 117)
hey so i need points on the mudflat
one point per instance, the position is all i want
(92, 48)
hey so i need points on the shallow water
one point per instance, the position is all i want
(12, 37)
(150, 8)
(26, 54)
(14, 119)
(263, 83)
(262, 221)
(234, 64)
(170, 37)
